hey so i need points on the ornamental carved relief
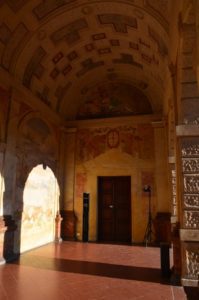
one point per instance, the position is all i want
(191, 219)
(190, 165)
(191, 201)
(190, 150)
(192, 263)
(190, 169)
(191, 183)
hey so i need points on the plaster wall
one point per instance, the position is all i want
(136, 150)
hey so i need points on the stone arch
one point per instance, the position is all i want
(36, 145)
(40, 205)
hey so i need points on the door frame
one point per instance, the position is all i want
(130, 208)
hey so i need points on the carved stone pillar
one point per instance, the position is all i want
(189, 206)
(188, 147)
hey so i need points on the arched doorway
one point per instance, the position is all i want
(40, 204)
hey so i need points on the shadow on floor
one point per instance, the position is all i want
(93, 268)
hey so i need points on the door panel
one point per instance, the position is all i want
(106, 218)
(114, 209)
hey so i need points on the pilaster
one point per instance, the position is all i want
(10, 159)
(69, 220)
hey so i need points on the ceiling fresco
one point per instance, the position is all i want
(58, 49)
(112, 99)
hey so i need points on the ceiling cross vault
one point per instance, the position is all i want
(86, 59)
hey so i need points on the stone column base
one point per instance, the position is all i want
(58, 221)
(68, 228)
(8, 243)
(3, 229)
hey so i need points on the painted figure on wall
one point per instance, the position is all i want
(112, 99)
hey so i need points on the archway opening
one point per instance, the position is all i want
(40, 205)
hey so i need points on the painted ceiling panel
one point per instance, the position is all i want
(57, 49)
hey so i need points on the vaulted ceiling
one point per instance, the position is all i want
(82, 57)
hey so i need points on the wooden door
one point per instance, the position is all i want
(114, 209)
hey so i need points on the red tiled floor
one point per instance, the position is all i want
(87, 271)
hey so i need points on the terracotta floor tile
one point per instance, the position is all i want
(87, 271)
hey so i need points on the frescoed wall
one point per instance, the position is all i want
(40, 204)
(137, 141)
(124, 150)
